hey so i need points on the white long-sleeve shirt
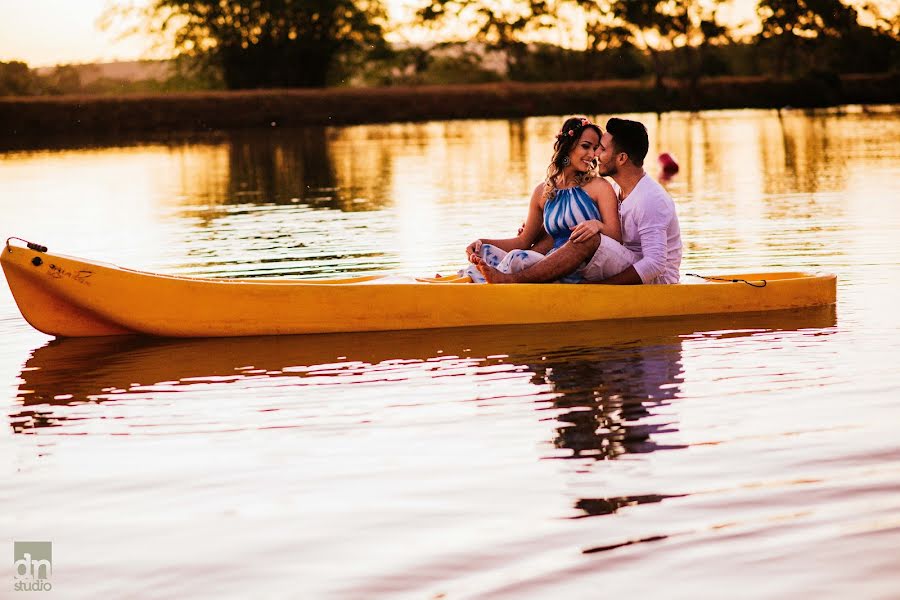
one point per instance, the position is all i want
(650, 229)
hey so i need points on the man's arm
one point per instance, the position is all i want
(654, 250)
(653, 218)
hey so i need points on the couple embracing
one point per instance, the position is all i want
(582, 228)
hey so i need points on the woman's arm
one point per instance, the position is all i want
(543, 245)
(605, 196)
(532, 231)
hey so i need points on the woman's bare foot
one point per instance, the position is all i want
(492, 275)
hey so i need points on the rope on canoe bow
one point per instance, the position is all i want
(30, 245)
(761, 283)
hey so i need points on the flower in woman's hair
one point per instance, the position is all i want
(571, 132)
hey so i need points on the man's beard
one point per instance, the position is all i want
(607, 170)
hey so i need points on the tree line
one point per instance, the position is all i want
(243, 44)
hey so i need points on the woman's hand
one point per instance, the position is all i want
(473, 251)
(585, 231)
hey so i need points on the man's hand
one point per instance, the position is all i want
(585, 231)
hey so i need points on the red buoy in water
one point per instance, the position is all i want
(667, 167)
(667, 164)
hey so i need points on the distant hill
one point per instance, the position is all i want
(135, 70)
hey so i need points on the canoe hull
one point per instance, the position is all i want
(70, 297)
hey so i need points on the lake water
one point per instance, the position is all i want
(754, 456)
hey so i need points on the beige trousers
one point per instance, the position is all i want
(611, 258)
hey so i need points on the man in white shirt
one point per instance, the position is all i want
(651, 236)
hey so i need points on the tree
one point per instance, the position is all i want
(500, 24)
(794, 23)
(268, 43)
(16, 79)
(660, 26)
(64, 79)
(604, 36)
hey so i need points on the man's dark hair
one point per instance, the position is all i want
(629, 137)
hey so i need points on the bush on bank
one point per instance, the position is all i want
(36, 118)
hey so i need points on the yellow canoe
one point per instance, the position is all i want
(71, 297)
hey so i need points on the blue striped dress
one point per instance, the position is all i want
(568, 208)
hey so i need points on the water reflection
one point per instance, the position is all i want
(605, 378)
(278, 167)
(737, 156)
(736, 165)
(372, 167)
(608, 393)
(596, 507)
(281, 167)
(612, 394)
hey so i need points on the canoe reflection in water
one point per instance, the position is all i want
(606, 374)
(616, 368)
(605, 381)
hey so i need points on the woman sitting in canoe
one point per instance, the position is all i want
(572, 202)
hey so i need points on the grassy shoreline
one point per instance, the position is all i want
(36, 121)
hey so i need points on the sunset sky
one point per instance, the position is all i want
(49, 32)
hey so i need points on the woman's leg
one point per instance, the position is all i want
(503, 261)
(518, 260)
(491, 255)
